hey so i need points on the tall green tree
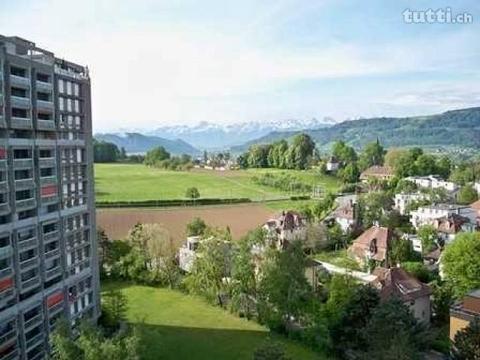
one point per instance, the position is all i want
(373, 154)
(301, 151)
(467, 195)
(105, 152)
(428, 236)
(344, 153)
(196, 227)
(460, 263)
(156, 155)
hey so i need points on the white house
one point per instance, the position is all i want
(476, 186)
(425, 215)
(188, 253)
(416, 242)
(332, 164)
(346, 215)
(403, 201)
(433, 182)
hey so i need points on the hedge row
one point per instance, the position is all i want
(171, 202)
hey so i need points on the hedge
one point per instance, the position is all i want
(170, 202)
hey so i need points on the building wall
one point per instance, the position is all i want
(421, 309)
(457, 324)
(48, 257)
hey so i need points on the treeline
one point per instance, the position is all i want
(284, 181)
(160, 158)
(281, 155)
(107, 152)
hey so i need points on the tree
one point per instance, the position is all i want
(467, 195)
(270, 351)
(419, 270)
(344, 153)
(301, 151)
(350, 173)
(258, 156)
(428, 236)
(402, 251)
(196, 227)
(373, 206)
(460, 263)
(156, 155)
(393, 333)
(104, 152)
(467, 342)
(284, 293)
(114, 309)
(373, 154)
(425, 165)
(210, 268)
(442, 301)
(192, 193)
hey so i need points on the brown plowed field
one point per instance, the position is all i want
(240, 218)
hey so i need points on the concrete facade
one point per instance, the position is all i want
(48, 257)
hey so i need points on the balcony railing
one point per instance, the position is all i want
(6, 295)
(24, 184)
(21, 123)
(25, 204)
(22, 163)
(33, 321)
(20, 102)
(26, 264)
(52, 253)
(13, 355)
(12, 334)
(51, 236)
(27, 244)
(47, 162)
(3, 186)
(48, 180)
(19, 80)
(3, 123)
(46, 124)
(34, 341)
(3, 164)
(6, 272)
(4, 209)
(27, 285)
(44, 86)
(6, 251)
(49, 274)
(46, 105)
(55, 309)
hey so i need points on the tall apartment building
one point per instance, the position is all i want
(48, 260)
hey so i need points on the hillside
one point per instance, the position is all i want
(457, 128)
(138, 143)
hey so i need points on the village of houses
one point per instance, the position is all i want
(371, 248)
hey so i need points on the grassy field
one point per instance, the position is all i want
(129, 182)
(178, 326)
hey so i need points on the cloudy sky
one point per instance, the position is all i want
(156, 62)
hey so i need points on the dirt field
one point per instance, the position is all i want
(240, 218)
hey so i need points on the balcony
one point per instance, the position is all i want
(6, 252)
(48, 200)
(6, 272)
(30, 263)
(19, 81)
(20, 102)
(26, 204)
(21, 123)
(51, 236)
(44, 86)
(46, 124)
(37, 319)
(3, 186)
(3, 164)
(24, 184)
(48, 180)
(50, 274)
(23, 163)
(13, 355)
(30, 284)
(45, 105)
(8, 337)
(52, 253)
(28, 244)
(55, 309)
(46, 162)
(3, 123)
(34, 341)
(4, 209)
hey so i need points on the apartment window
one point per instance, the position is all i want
(4, 241)
(19, 92)
(48, 228)
(69, 105)
(43, 96)
(27, 255)
(26, 214)
(43, 77)
(76, 89)
(26, 234)
(61, 105)
(23, 174)
(61, 88)
(69, 88)
(17, 71)
(47, 172)
(22, 154)
(45, 153)
(23, 195)
(77, 106)
(4, 264)
(19, 113)
(44, 116)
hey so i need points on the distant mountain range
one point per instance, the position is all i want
(139, 143)
(210, 136)
(456, 128)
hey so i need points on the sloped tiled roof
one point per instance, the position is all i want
(376, 240)
(397, 282)
(377, 171)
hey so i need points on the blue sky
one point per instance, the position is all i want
(181, 62)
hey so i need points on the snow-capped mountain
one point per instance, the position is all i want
(207, 135)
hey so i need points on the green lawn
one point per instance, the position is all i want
(124, 182)
(338, 258)
(178, 326)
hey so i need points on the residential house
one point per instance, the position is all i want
(476, 207)
(332, 164)
(396, 282)
(403, 201)
(427, 215)
(347, 215)
(416, 242)
(188, 253)
(448, 227)
(286, 228)
(476, 186)
(374, 244)
(433, 182)
(463, 312)
(377, 172)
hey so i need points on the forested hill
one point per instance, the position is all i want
(458, 128)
